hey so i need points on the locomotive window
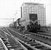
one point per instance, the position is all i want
(33, 17)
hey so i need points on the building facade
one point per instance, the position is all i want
(34, 11)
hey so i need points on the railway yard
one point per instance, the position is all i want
(15, 40)
(28, 31)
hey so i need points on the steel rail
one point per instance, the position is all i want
(14, 38)
(35, 39)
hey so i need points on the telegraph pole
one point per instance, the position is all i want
(14, 15)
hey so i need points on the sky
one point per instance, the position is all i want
(10, 10)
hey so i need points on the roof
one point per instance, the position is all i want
(34, 3)
(31, 4)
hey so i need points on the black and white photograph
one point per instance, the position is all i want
(25, 24)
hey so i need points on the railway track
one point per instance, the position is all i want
(16, 38)
(45, 38)
(2, 45)
(29, 41)
(11, 43)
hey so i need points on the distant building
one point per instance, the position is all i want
(34, 11)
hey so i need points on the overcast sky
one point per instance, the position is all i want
(10, 9)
